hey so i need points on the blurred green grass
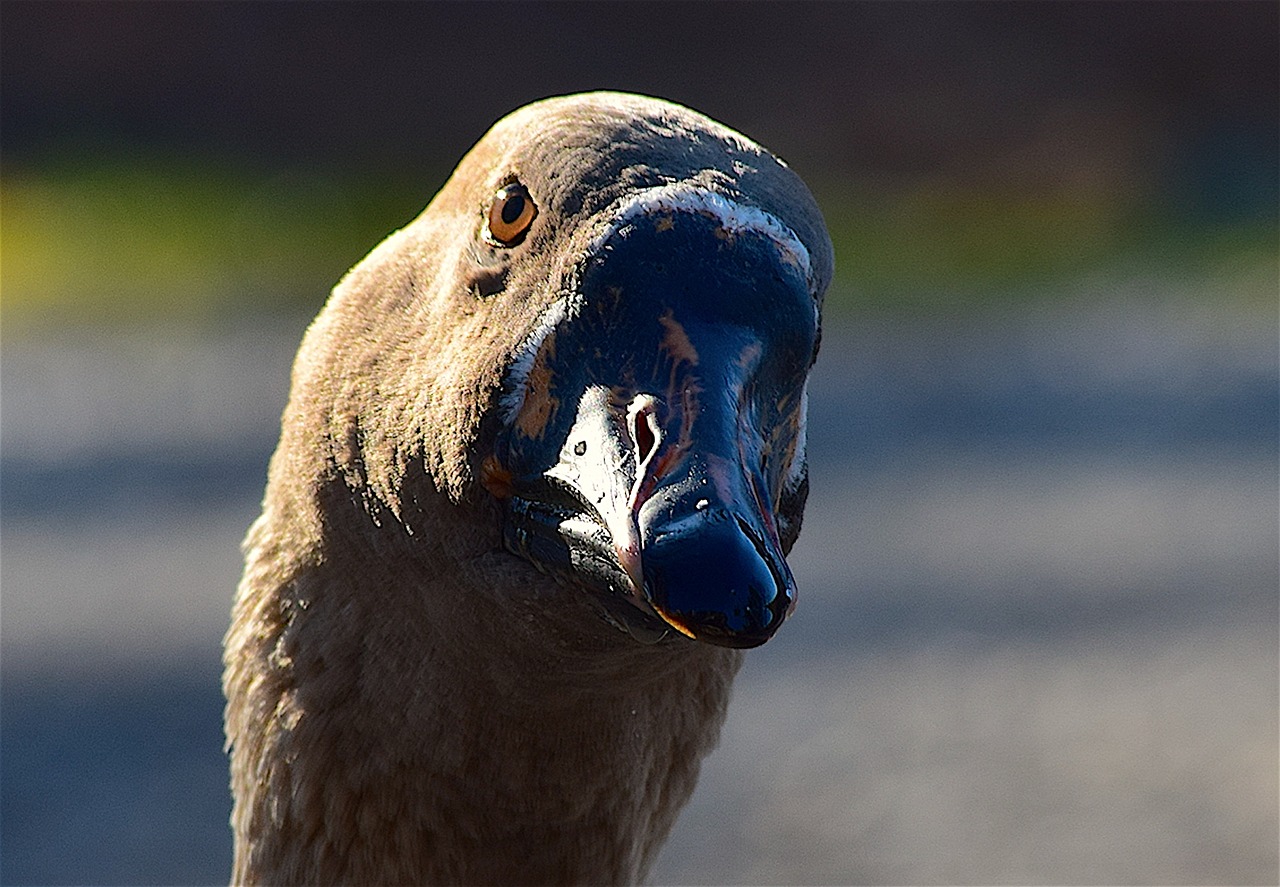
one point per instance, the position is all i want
(126, 236)
(129, 237)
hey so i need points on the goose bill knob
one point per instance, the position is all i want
(656, 424)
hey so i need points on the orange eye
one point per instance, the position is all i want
(511, 214)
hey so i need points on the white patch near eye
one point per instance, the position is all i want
(522, 363)
(734, 217)
(796, 470)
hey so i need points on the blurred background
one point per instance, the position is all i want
(1037, 636)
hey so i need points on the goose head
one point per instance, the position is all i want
(600, 331)
(541, 466)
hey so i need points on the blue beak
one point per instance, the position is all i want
(660, 421)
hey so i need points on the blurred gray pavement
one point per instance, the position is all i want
(1036, 640)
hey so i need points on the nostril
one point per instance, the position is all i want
(646, 440)
(643, 427)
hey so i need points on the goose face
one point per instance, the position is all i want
(652, 436)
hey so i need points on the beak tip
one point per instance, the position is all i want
(718, 583)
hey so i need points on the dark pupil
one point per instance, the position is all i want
(512, 208)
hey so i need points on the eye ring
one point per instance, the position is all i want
(511, 214)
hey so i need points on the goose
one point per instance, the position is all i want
(542, 460)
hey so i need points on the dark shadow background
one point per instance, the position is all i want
(1037, 642)
(853, 89)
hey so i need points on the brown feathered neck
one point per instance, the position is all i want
(405, 721)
